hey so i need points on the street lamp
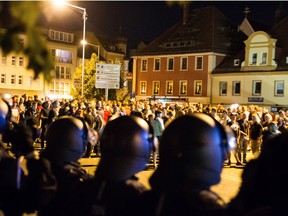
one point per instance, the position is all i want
(83, 44)
(94, 45)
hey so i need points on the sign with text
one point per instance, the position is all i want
(255, 99)
(107, 76)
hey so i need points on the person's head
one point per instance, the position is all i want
(273, 127)
(126, 144)
(192, 149)
(5, 115)
(67, 139)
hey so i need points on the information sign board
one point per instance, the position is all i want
(107, 76)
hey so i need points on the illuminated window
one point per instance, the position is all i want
(156, 87)
(143, 87)
(13, 61)
(169, 87)
(264, 58)
(62, 56)
(183, 87)
(198, 87)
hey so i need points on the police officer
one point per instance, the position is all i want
(192, 152)
(126, 148)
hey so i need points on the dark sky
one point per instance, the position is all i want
(146, 20)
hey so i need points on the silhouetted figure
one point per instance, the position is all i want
(192, 152)
(264, 189)
(67, 139)
(126, 148)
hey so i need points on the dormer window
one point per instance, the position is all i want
(264, 58)
(236, 62)
(286, 59)
(254, 59)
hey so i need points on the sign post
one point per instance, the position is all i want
(107, 77)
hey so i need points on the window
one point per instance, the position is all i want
(279, 88)
(199, 63)
(236, 62)
(144, 65)
(143, 87)
(254, 59)
(170, 63)
(13, 78)
(183, 87)
(198, 87)
(156, 64)
(68, 73)
(21, 61)
(57, 72)
(62, 56)
(169, 87)
(184, 63)
(256, 88)
(156, 88)
(223, 88)
(236, 85)
(3, 60)
(264, 58)
(20, 80)
(60, 36)
(13, 61)
(62, 73)
(3, 78)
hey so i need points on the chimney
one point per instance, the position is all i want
(185, 12)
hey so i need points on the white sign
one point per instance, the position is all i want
(107, 76)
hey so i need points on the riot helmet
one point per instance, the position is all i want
(126, 144)
(193, 147)
(67, 139)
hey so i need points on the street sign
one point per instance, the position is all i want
(107, 76)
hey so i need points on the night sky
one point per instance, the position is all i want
(146, 20)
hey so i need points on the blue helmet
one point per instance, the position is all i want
(126, 145)
(193, 147)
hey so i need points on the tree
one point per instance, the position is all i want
(90, 91)
(22, 17)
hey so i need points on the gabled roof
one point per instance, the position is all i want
(207, 30)
(279, 32)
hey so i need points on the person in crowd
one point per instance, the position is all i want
(54, 112)
(67, 139)
(192, 152)
(255, 135)
(126, 148)
(15, 112)
(32, 119)
(243, 137)
(269, 132)
(234, 125)
(263, 189)
(281, 123)
(225, 119)
(158, 124)
(44, 122)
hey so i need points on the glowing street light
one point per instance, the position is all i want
(83, 44)
(98, 47)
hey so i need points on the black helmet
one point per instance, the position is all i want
(192, 147)
(66, 140)
(125, 148)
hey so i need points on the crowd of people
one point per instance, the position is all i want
(194, 143)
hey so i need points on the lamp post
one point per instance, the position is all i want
(98, 48)
(83, 44)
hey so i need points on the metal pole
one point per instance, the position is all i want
(83, 51)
